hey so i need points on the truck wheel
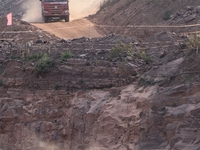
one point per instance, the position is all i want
(67, 19)
(46, 19)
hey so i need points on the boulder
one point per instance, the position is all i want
(190, 18)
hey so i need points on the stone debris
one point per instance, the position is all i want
(190, 14)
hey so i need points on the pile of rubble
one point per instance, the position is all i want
(22, 31)
(91, 65)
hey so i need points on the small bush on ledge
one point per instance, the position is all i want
(66, 55)
(44, 64)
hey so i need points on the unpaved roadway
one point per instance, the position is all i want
(70, 30)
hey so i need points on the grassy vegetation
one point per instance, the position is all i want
(66, 55)
(122, 50)
(194, 42)
(34, 56)
(142, 55)
(44, 64)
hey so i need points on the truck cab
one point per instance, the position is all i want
(55, 10)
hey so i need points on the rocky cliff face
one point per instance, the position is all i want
(118, 118)
(84, 120)
(174, 116)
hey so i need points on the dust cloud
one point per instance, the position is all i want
(78, 9)
(31, 140)
(33, 11)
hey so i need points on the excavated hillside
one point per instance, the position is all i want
(109, 93)
(125, 16)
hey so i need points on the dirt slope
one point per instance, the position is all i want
(141, 12)
(74, 29)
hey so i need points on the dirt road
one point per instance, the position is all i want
(74, 29)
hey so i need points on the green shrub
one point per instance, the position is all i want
(66, 55)
(167, 15)
(123, 50)
(44, 64)
(142, 55)
(119, 49)
(34, 56)
(194, 42)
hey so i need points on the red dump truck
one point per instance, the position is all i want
(55, 10)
